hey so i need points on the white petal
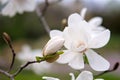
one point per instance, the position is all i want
(83, 12)
(85, 75)
(9, 9)
(99, 40)
(96, 21)
(66, 57)
(30, 5)
(77, 62)
(74, 19)
(3, 1)
(54, 33)
(96, 61)
(99, 79)
(72, 76)
(49, 78)
(53, 45)
(75, 36)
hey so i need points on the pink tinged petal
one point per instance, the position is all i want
(96, 21)
(99, 40)
(49, 78)
(77, 62)
(85, 75)
(53, 45)
(54, 33)
(96, 61)
(72, 76)
(83, 12)
(74, 19)
(66, 57)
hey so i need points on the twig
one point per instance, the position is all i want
(24, 66)
(42, 19)
(8, 41)
(7, 74)
(45, 7)
(114, 68)
(41, 13)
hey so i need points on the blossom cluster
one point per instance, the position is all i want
(78, 38)
(17, 6)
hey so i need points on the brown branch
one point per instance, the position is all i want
(6, 74)
(114, 68)
(24, 66)
(7, 38)
(43, 11)
(43, 20)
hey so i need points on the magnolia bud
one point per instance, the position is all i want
(64, 22)
(6, 37)
(53, 45)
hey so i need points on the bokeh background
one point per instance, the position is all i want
(27, 29)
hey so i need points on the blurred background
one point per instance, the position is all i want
(27, 29)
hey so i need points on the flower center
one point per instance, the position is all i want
(79, 47)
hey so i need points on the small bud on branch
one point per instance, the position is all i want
(6, 37)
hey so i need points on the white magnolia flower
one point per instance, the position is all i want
(29, 55)
(18, 6)
(3, 1)
(53, 45)
(80, 38)
(84, 75)
(95, 21)
(49, 78)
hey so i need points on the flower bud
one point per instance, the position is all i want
(6, 38)
(64, 22)
(53, 45)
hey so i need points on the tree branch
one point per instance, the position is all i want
(42, 19)
(41, 13)
(7, 38)
(24, 66)
(6, 74)
(114, 68)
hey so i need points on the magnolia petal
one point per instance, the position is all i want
(75, 36)
(49, 78)
(29, 5)
(74, 19)
(83, 12)
(53, 45)
(9, 9)
(77, 62)
(72, 76)
(96, 61)
(66, 57)
(96, 21)
(3, 1)
(67, 37)
(54, 33)
(85, 75)
(99, 79)
(99, 40)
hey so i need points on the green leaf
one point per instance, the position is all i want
(85, 59)
(39, 58)
(59, 52)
